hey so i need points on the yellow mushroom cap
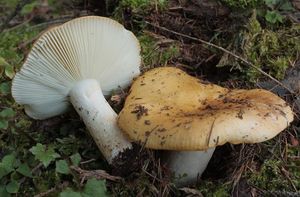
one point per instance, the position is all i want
(168, 109)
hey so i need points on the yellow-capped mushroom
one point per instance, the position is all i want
(169, 110)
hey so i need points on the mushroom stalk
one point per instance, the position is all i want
(100, 119)
(187, 166)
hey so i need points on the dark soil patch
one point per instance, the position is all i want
(129, 161)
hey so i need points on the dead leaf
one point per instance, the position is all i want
(296, 4)
(116, 99)
(294, 141)
(191, 192)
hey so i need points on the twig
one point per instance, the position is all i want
(52, 22)
(53, 189)
(98, 174)
(87, 161)
(17, 26)
(286, 174)
(191, 192)
(276, 193)
(224, 50)
(46, 192)
(18, 8)
(152, 176)
(282, 193)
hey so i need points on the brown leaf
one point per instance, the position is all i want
(296, 4)
(294, 141)
(116, 99)
(191, 192)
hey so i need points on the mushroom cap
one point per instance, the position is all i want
(168, 109)
(89, 47)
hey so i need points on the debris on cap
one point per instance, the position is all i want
(168, 109)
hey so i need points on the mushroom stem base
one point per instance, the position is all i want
(187, 166)
(99, 118)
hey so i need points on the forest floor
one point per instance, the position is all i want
(235, 44)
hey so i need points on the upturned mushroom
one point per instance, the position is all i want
(79, 62)
(169, 110)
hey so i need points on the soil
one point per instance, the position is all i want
(129, 161)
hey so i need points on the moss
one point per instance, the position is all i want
(132, 13)
(10, 41)
(155, 55)
(137, 184)
(277, 175)
(292, 165)
(269, 50)
(214, 189)
(270, 177)
(137, 7)
(140, 6)
(272, 51)
(241, 3)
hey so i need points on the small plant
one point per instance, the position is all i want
(241, 3)
(273, 7)
(92, 188)
(270, 177)
(211, 189)
(272, 51)
(143, 5)
(11, 172)
(270, 10)
(5, 116)
(43, 154)
(154, 55)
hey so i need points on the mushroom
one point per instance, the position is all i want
(79, 62)
(169, 110)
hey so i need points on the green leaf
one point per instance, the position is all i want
(7, 113)
(68, 192)
(76, 158)
(9, 72)
(3, 171)
(8, 161)
(7, 165)
(5, 88)
(46, 156)
(3, 124)
(62, 167)
(287, 6)
(273, 17)
(94, 187)
(28, 8)
(3, 62)
(3, 192)
(271, 2)
(12, 187)
(24, 170)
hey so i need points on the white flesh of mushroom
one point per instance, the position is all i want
(187, 166)
(99, 118)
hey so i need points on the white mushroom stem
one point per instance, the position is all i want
(187, 166)
(100, 119)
